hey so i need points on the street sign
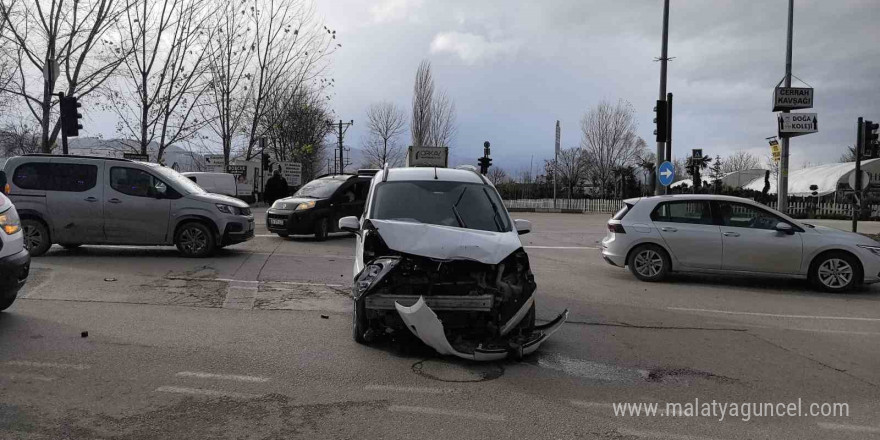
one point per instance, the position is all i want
(666, 173)
(792, 98)
(136, 156)
(214, 163)
(797, 124)
(866, 180)
(774, 150)
(292, 172)
(237, 170)
(697, 152)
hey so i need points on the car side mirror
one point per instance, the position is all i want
(522, 226)
(161, 189)
(350, 224)
(784, 227)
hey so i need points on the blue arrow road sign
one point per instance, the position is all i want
(666, 173)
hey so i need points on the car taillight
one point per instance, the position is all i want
(616, 227)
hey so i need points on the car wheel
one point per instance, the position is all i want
(649, 262)
(36, 237)
(836, 272)
(283, 234)
(195, 240)
(322, 227)
(5, 303)
(358, 322)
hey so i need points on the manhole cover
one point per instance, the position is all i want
(451, 371)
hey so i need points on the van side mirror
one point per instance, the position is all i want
(350, 224)
(784, 228)
(522, 226)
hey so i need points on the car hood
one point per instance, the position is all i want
(850, 237)
(219, 198)
(447, 242)
(289, 203)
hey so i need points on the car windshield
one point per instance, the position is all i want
(319, 188)
(178, 181)
(459, 204)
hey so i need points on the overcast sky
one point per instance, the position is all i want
(514, 67)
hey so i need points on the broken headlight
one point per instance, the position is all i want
(374, 272)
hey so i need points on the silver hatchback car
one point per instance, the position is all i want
(76, 200)
(654, 236)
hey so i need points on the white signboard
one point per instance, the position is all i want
(214, 163)
(797, 124)
(792, 98)
(292, 172)
(866, 180)
(427, 156)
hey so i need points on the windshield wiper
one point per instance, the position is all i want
(455, 209)
(495, 217)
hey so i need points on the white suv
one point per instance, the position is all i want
(438, 255)
(14, 259)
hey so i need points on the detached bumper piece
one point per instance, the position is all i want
(423, 322)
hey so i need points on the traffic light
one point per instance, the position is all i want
(70, 116)
(485, 163)
(870, 138)
(265, 158)
(814, 189)
(661, 120)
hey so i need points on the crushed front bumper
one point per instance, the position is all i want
(424, 324)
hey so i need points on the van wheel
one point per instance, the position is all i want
(36, 237)
(195, 240)
(836, 272)
(322, 227)
(649, 262)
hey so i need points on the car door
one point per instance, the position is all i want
(74, 200)
(751, 242)
(689, 231)
(134, 212)
(344, 202)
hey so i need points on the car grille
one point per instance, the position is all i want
(280, 216)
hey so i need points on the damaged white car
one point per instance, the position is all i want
(438, 254)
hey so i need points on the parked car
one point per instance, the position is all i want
(318, 205)
(438, 255)
(76, 200)
(215, 183)
(15, 261)
(654, 236)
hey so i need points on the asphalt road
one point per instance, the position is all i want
(255, 343)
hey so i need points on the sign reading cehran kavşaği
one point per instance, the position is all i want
(792, 98)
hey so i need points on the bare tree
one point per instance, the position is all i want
(573, 166)
(422, 104)
(442, 120)
(497, 175)
(165, 71)
(77, 34)
(739, 161)
(609, 138)
(19, 138)
(849, 154)
(385, 122)
(297, 127)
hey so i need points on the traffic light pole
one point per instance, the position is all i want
(782, 183)
(64, 149)
(857, 198)
(660, 189)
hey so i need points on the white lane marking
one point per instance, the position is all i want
(446, 412)
(48, 365)
(661, 435)
(560, 247)
(796, 329)
(423, 390)
(28, 376)
(240, 378)
(209, 393)
(851, 428)
(775, 315)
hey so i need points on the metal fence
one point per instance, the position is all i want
(825, 209)
(583, 205)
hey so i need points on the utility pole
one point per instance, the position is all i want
(660, 189)
(343, 127)
(782, 183)
(555, 164)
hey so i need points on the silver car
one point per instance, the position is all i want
(654, 236)
(76, 200)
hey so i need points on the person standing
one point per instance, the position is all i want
(276, 187)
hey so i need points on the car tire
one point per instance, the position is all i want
(195, 240)
(322, 228)
(649, 262)
(358, 322)
(283, 234)
(36, 237)
(836, 272)
(6, 302)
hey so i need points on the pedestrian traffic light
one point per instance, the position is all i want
(70, 116)
(661, 120)
(265, 158)
(870, 139)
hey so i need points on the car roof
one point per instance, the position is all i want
(689, 197)
(430, 173)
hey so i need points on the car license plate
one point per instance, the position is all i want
(275, 221)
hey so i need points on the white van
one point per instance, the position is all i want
(216, 183)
